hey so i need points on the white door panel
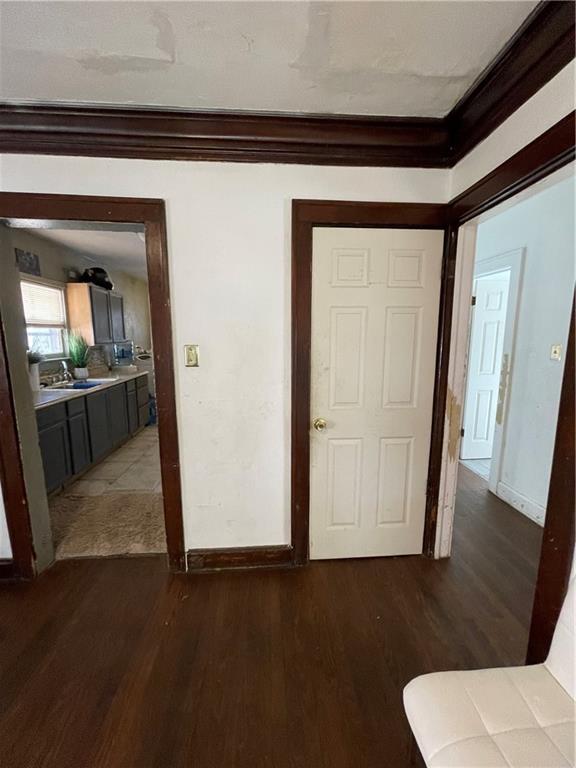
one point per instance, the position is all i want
(375, 297)
(484, 363)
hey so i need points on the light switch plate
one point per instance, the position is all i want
(556, 352)
(192, 355)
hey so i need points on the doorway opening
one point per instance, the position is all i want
(87, 350)
(513, 302)
(97, 428)
(522, 293)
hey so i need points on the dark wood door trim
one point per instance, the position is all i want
(558, 539)
(13, 487)
(551, 150)
(150, 213)
(542, 46)
(546, 154)
(307, 214)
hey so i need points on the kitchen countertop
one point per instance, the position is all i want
(47, 396)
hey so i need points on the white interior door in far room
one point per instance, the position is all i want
(490, 296)
(375, 300)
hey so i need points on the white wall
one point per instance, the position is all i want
(552, 102)
(229, 254)
(5, 548)
(544, 226)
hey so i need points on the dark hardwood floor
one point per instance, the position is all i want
(114, 663)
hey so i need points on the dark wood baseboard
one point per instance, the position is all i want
(8, 569)
(240, 557)
(542, 46)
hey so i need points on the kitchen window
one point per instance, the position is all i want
(45, 314)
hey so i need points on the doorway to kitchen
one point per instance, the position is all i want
(86, 309)
(87, 329)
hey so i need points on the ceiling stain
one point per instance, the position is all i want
(113, 64)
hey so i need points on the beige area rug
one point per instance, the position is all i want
(110, 524)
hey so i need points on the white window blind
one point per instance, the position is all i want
(43, 304)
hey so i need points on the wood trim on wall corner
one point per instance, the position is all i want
(542, 46)
(237, 558)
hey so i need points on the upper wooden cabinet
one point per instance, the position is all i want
(117, 316)
(96, 313)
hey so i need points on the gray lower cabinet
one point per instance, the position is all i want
(54, 445)
(80, 452)
(79, 432)
(142, 398)
(133, 423)
(100, 439)
(117, 414)
(55, 450)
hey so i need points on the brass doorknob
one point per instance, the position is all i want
(319, 425)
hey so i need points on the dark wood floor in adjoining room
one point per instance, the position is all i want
(116, 664)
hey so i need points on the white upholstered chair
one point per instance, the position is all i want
(519, 717)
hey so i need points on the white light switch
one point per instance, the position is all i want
(556, 352)
(192, 355)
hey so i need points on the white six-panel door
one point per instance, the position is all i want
(375, 297)
(484, 364)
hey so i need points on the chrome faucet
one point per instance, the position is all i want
(65, 372)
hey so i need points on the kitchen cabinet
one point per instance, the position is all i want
(96, 313)
(80, 452)
(132, 402)
(117, 414)
(97, 409)
(101, 321)
(117, 316)
(142, 398)
(77, 433)
(54, 446)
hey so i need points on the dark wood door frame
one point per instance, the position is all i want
(151, 214)
(549, 152)
(307, 214)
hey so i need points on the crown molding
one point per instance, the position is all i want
(224, 136)
(542, 46)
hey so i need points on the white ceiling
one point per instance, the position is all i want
(383, 58)
(121, 251)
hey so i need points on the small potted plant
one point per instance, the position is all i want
(78, 352)
(34, 360)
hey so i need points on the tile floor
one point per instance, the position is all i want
(135, 466)
(480, 467)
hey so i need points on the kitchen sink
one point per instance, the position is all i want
(83, 384)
